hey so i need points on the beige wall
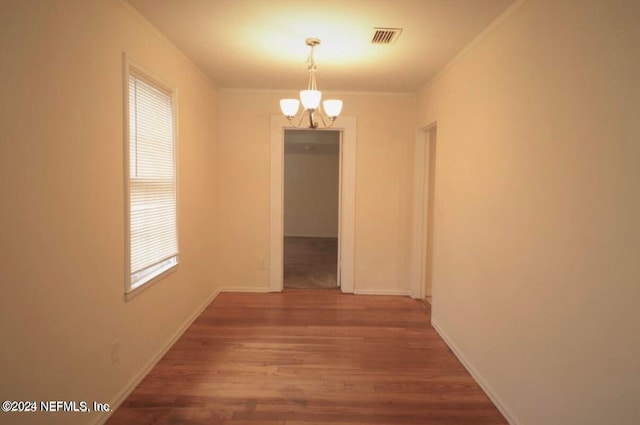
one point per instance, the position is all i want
(385, 138)
(62, 208)
(537, 228)
(311, 194)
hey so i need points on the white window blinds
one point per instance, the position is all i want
(153, 233)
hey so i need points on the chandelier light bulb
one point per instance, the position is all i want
(289, 107)
(332, 107)
(310, 99)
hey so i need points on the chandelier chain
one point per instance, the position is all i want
(312, 69)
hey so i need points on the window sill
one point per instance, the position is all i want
(149, 283)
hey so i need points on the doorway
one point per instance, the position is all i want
(311, 208)
(346, 231)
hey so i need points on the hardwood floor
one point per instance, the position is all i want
(310, 263)
(309, 358)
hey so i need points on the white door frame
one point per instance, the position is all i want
(346, 237)
(420, 211)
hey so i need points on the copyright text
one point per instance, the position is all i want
(54, 406)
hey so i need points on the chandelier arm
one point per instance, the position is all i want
(300, 120)
(323, 115)
(332, 121)
(324, 123)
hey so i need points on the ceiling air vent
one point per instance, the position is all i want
(385, 35)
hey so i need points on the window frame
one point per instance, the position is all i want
(132, 68)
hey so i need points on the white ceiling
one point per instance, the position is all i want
(259, 44)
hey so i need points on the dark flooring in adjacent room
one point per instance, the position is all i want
(309, 357)
(310, 263)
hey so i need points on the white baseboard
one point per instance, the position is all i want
(133, 383)
(381, 292)
(499, 403)
(254, 289)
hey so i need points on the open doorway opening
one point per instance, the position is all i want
(346, 243)
(311, 208)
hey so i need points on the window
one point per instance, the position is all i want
(151, 180)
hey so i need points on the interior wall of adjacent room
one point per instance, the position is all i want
(537, 221)
(62, 214)
(384, 166)
(311, 194)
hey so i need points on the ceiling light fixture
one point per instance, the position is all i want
(311, 97)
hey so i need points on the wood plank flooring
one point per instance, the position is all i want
(310, 263)
(305, 357)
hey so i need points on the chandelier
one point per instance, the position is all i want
(311, 97)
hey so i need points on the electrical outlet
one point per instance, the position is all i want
(115, 351)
